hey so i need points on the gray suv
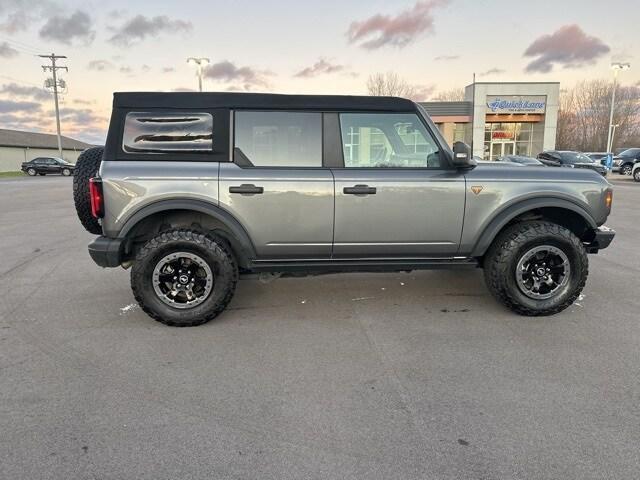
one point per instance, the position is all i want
(193, 190)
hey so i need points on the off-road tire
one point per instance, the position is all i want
(507, 249)
(213, 250)
(87, 167)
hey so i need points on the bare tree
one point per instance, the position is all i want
(451, 95)
(583, 116)
(391, 85)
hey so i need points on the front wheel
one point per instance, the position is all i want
(66, 172)
(184, 278)
(536, 268)
(626, 169)
(31, 172)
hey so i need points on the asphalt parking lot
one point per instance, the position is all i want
(372, 376)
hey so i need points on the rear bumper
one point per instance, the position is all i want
(106, 252)
(603, 236)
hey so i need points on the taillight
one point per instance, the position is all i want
(97, 200)
(608, 199)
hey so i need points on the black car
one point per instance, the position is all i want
(566, 158)
(48, 165)
(521, 159)
(625, 160)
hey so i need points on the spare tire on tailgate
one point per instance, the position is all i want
(87, 167)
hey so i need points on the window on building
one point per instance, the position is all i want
(167, 132)
(387, 140)
(278, 139)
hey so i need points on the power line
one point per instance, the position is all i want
(24, 47)
(53, 68)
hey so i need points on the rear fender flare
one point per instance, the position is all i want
(236, 234)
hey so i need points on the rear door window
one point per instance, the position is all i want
(278, 139)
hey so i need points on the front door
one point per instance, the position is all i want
(277, 187)
(394, 196)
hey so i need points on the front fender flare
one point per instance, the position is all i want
(504, 216)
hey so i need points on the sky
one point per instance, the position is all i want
(321, 47)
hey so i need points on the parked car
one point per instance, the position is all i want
(636, 172)
(624, 161)
(566, 158)
(194, 189)
(48, 165)
(521, 160)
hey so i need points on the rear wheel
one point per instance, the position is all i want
(536, 268)
(87, 167)
(184, 278)
(636, 174)
(31, 172)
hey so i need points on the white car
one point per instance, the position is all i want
(636, 172)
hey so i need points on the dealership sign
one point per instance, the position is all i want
(517, 104)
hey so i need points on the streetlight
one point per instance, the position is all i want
(616, 67)
(200, 63)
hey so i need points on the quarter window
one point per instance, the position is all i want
(170, 132)
(387, 140)
(278, 139)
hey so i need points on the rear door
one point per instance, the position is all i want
(395, 194)
(277, 186)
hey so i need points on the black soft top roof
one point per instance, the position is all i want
(264, 101)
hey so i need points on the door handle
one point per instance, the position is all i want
(359, 190)
(246, 189)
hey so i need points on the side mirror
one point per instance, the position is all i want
(462, 157)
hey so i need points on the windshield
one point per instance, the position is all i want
(630, 152)
(575, 157)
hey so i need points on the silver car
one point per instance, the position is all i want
(193, 190)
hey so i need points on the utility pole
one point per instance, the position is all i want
(53, 68)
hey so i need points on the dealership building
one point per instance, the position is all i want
(496, 119)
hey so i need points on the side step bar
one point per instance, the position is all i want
(361, 265)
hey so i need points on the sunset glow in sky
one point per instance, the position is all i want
(284, 46)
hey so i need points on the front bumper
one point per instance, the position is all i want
(603, 236)
(106, 252)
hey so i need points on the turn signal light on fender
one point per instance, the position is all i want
(608, 199)
(97, 200)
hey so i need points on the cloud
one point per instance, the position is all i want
(33, 93)
(140, 27)
(568, 46)
(82, 116)
(446, 58)
(17, 15)
(493, 71)
(11, 106)
(63, 29)
(398, 31)
(100, 65)
(168, 69)
(145, 68)
(126, 70)
(7, 51)
(421, 93)
(248, 77)
(322, 66)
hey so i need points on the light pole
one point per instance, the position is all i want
(616, 67)
(200, 63)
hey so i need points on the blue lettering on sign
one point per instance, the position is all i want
(517, 105)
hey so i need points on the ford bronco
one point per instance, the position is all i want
(193, 190)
